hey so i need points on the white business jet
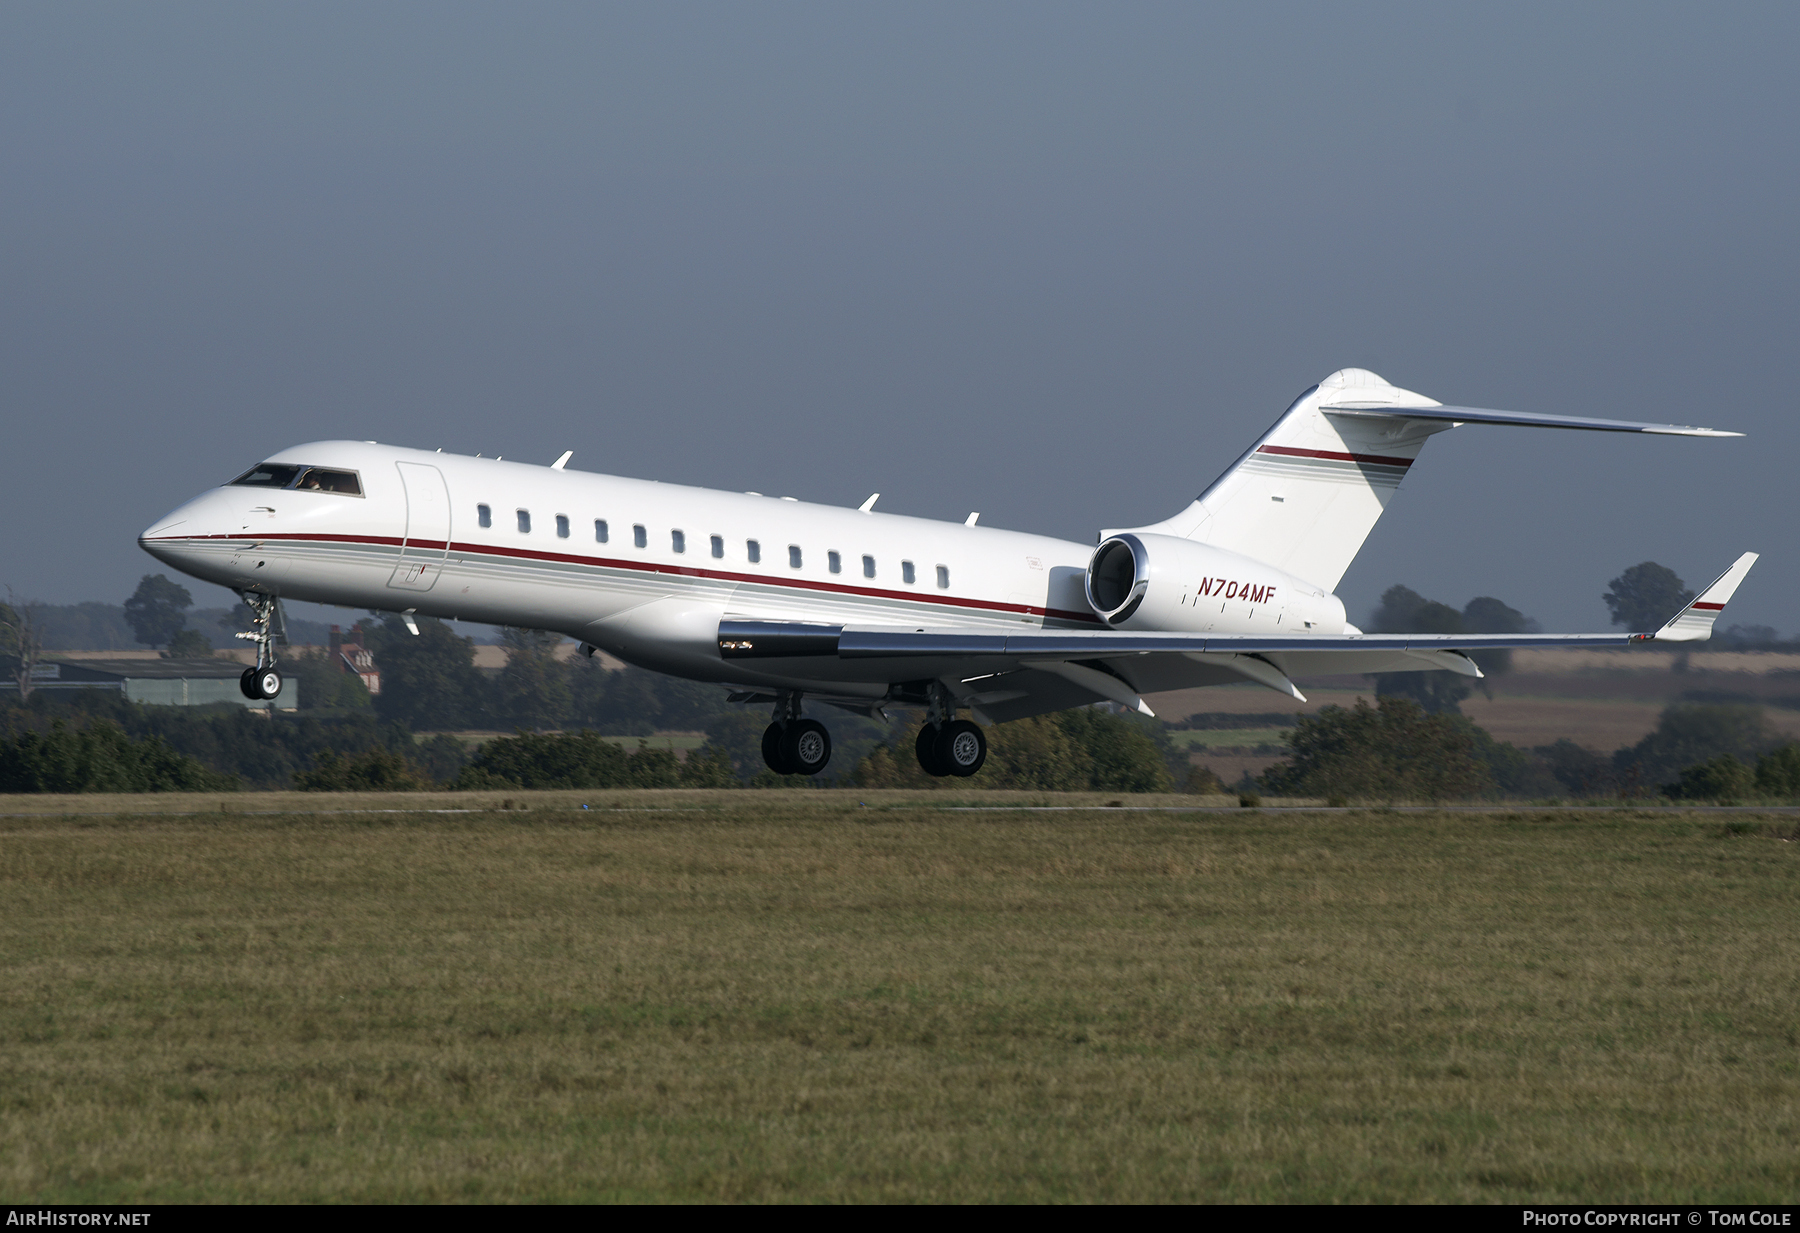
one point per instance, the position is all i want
(781, 600)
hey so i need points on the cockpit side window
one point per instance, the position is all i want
(322, 479)
(268, 475)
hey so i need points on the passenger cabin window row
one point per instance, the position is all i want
(640, 537)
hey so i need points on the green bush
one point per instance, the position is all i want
(1689, 733)
(1072, 751)
(588, 760)
(1778, 772)
(100, 758)
(373, 770)
(1392, 751)
(1723, 779)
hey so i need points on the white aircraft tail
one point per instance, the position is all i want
(1306, 496)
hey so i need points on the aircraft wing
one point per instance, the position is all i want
(1009, 675)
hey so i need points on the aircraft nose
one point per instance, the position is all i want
(179, 537)
(159, 539)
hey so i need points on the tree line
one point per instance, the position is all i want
(1411, 744)
(1395, 750)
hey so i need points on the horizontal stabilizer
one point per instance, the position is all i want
(1694, 623)
(1520, 419)
(1305, 496)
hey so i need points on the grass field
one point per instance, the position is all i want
(789, 996)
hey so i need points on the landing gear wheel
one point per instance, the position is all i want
(961, 748)
(927, 749)
(268, 683)
(806, 746)
(247, 683)
(772, 750)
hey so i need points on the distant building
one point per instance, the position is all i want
(160, 682)
(350, 655)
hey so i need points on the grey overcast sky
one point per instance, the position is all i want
(1057, 263)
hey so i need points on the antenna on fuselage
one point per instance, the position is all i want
(868, 506)
(970, 520)
(561, 462)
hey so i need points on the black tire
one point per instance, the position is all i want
(961, 748)
(926, 748)
(806, 746)
(247, 684)
(772, 750)
(268, 683)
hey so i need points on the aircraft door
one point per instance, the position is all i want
(427, 539)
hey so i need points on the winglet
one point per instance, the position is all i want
(1694, 623)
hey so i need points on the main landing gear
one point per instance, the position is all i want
(954, 748)
(793, 745)
(263, 681)
(948, 746)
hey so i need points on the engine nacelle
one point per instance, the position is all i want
(1163, 582)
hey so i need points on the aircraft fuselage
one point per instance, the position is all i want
(647, 570)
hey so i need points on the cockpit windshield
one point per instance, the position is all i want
(268, 475)
(305, 479)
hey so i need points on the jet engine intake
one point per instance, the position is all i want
(1145, 581)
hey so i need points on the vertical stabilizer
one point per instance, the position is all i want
(1306, 496)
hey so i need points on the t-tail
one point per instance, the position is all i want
(1306, 496)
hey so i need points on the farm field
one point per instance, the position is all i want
(818, 995)
(1601, 699)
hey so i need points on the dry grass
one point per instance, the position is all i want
(787, 996)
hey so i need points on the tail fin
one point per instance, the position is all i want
(1306, 496)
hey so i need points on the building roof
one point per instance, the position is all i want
(140, 669)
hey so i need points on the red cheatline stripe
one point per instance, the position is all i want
(1381, 459)
(652, 567)
(1709, 607)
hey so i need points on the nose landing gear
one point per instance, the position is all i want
(262, 682)
(793, 745)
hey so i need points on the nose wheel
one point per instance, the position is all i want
(263, 681)
(260, 684)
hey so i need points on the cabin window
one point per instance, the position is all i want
(793, 556)
(562, 526)
(868, 567)
(834, 562)
(320, 479)
(600, 535)
(943, 577)
(718, 546)
(678, 541)
(524, 522)
(484, 515)
(753, 552)
(906, 573)
(639, 536)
